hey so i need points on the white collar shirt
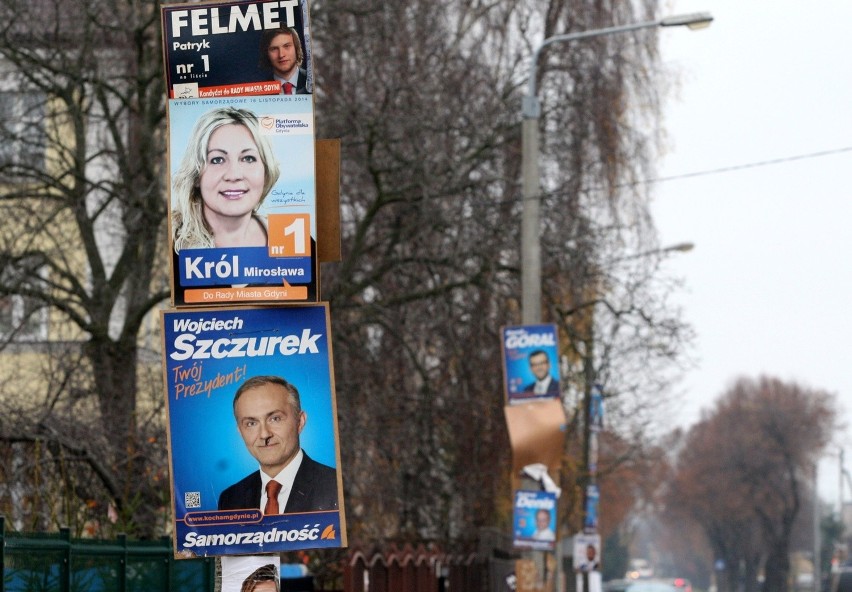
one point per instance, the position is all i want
(285, 478)
(294, 79)
(541, 386)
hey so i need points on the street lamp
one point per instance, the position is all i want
(531, 110)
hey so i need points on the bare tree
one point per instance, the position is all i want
(743, 472)
(82, 233)
(425, 96)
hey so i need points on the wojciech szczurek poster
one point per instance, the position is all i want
(219, 447)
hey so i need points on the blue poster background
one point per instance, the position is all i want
(207, 452)
(518, 342)
(295, 152)
(527, 504)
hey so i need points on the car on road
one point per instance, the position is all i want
(648, 585)
(639, 568)
(841, 579)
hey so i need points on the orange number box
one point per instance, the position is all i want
(289, 235)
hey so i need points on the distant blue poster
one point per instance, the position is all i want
(596, 409)
(250, 400)
(535, 520)
(530, 363)
(593, 496)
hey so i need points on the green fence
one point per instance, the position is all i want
(33, 562)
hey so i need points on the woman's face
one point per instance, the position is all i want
(231, 182)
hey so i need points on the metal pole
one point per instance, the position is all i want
(817, 534)
(840, 489)
(2, 553)
(530, 110)
(530, 256)
(530, 241)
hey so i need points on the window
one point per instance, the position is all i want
(22, 318)
(22, 132)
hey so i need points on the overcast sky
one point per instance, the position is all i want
(769, 283)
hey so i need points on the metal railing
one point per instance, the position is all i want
(55, 562)
(35, 562)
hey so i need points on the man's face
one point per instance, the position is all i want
(540, 365)
(542, 520)
(282, 55)
(270, 426)
(267, 586)
(590, 553)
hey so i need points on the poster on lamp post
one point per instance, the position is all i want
(250, 400)
(250, 572)
(530, 363)
(590, 518)
(226, 49)
(535, 520)
(243, 200)
(587, 562)
(596, 408)
(595, 419)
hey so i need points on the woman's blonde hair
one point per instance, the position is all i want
(189, 228)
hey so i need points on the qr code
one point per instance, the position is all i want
(192, 499)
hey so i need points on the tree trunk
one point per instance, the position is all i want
(750, 568)
(777, 569)
(114, 365)
(114, 374)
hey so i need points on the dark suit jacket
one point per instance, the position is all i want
(552, 388)
(302, 82)
(314, 488)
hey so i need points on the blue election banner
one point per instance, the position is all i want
(208, 354)
(596, 409)
(535, 520)
(590, 522)
(218, 49)
(242, 200)
(530, 363)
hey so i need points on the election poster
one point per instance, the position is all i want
(243, 200)
(530, 363)
(226, 49)
(593, 497)
(251, 400)
(250, 572)
(596, 408)
(535, 520)
(587, 563)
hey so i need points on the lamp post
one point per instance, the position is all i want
(530, 111)
(530, 217)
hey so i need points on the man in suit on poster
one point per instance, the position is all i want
(544, 383)
(543, 532)
(270, 418)
(281, 52)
